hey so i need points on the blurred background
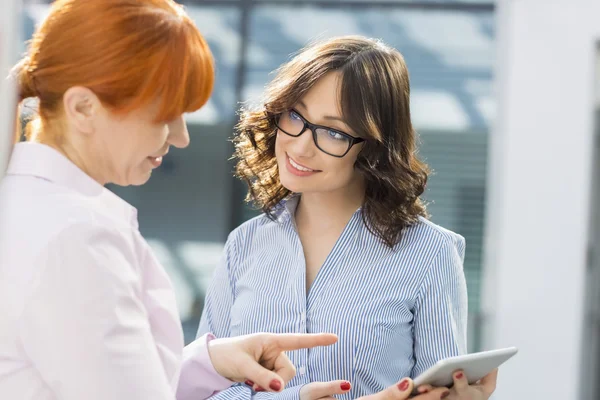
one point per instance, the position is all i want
(504, 97)
(192, 202)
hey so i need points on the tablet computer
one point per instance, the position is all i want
(474, 365)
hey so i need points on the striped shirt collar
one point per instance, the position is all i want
(286, 210)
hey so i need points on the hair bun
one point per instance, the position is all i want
(24, 79)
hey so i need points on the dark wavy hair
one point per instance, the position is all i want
(375, 94)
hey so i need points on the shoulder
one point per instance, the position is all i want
(91, 235)
(88, 249)
(427, 248)
(39, 217)
(248, 231)
(442, 253)
(81, 262)
(87, 263)
(41, 206)
(428, 236)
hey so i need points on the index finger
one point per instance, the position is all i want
(296, 341)
(401, 391)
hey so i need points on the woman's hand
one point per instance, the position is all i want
(481, 390)
(260, 358)
(403, 390)
(461, 390)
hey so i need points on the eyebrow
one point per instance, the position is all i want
(329, 117)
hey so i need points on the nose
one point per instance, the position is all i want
(178, 133)
(303, 146)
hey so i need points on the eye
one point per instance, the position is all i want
(336, 135)
(294, 116)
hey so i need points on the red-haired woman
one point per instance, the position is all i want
(86, 311)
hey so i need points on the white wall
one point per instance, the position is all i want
(539, 194)
(9, 28)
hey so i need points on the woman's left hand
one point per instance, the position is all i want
(260, 358)
(482, 390)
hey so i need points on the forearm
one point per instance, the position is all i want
(198, 379)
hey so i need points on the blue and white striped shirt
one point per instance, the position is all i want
(396, 311)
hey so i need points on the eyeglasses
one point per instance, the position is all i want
(329, 141)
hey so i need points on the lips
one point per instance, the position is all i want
(155, 161)
(298, 169)
(299, 166)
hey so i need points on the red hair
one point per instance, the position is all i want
(128, 52)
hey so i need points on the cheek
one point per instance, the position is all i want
(279, 147)
(346, 170)
(151, 138)
(116, 143)
(156, 133)
(341, 171)
(140, 142)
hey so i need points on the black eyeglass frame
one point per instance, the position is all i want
(313, 128)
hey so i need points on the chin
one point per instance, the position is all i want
(136, 180)
(140, 180)
(291, 183)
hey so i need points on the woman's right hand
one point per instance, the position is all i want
(400, 391)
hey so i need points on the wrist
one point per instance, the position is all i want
(214, 346)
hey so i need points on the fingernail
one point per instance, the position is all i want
(444, 395)
(259, 389)
(345, 386)
(403, 385)
(249, 383)
(459, 375)
(275, 385)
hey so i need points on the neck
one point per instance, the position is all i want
(325, 210)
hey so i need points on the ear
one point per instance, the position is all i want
(81, 106)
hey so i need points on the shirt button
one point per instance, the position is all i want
(303, 315)
(302, 370)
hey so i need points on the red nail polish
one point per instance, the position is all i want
(275, 385)
(259, 389)
(459, 375)
(403, 385)
(444, 395)
(249, 382)
(345, 386)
